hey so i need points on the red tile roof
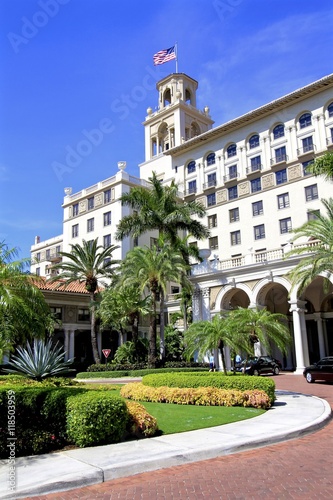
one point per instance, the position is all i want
(75, 287)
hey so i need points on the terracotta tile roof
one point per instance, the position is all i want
(75, 287)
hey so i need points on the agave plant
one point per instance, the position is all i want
(39, 362)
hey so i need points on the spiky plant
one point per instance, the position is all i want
(39, 362)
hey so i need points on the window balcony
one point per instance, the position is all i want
(279, 159)
(254, 168)
(210, 184)
(306, 149)
(231, 177)
(190, 192)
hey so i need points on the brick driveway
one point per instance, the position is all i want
(297, 469)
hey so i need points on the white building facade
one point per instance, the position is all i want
(251, 175)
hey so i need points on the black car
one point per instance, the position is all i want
(323, 370)
(258, 365)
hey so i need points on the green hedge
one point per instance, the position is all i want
(96, 418)
(215, 379)
(128, 367)
(136, 373)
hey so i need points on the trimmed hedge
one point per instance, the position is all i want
(128, 367)
(95, 418)
(213, 379)
(203, 396)
(136, 373)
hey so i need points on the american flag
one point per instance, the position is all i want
(164, 56)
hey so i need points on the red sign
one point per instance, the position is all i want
(106, 352)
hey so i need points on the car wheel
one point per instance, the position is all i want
(309, 378)
(256, 373)
(276, 370)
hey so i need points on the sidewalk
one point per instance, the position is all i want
(292, 415)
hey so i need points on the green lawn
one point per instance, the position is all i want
(172, 418)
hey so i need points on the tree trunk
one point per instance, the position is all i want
(94, 344)
(152, 334)
(134, 320)
(162, 339)
(221, 347)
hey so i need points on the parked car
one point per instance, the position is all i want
(258, 365)
(323, 370)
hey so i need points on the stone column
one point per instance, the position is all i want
(320, 330)
(297, 307)
(206, 304)
(196, 304)
(66, 345)
(71, 353)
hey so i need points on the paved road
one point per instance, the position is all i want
(297, 469)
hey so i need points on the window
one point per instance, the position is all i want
(281, 176)
(255, 185)
(90, 225)
(107, 241)
(211, 159)
(231, 150)
(305, 165)
(278, 131)
(107, 219)
(211, 200)
(37, 271)
(232, 172)
(211, 179)
(232, 193)
(107, 196)
(234, 215)
(307, 144)
(330, 110)
(283, 201)
(235, 238)
(259, 232)
(255, 163)
(58, 250)
(175, 289)
(305, 120)
(91, 203)
(257, 208)
(75, 231)
(75, 209)
(83, 314)
(313, 214)
(280, 154)
(212, 221)
(285, 225)
(38, 257)
(192, 187)
(311, 192)
(193, 244)
(254, 141)
(56, 312)
(191, 167)
(213, 243)
(48, 254)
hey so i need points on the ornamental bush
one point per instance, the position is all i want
(95, 418)
(140, 422)
(215, 379)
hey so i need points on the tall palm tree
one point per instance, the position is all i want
(159, 208)
(206, 336)
(90, 264)
(250, 326)
(317, 259)
(323, 165)
(24, 312)
(152, 268)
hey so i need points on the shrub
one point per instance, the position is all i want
(140, 422)
(204, 396)
(96, 417)
(216, 379)
(134, 373)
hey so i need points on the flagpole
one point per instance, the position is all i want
(176, 50)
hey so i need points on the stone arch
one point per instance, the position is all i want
(272, 294)
(233, 296)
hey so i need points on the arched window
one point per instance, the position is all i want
(305, 120)
(330, 109)
(188, 96)
(195, 130)
(231, 150)
(254, 141)
(278, 131)
(167, 97)
(211, 159)
(191, 167)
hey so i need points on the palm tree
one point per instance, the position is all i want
(206, 336)
(317, 259)
(159, 208)
(250, 326)
(323, 166)
(90, 264)
(24, 312)
(123, 306)
(152, 268)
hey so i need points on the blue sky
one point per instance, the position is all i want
(69, 67)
